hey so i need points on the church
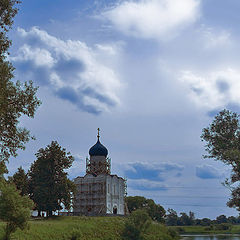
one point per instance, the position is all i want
(99, 192)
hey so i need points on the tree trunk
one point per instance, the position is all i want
(10, 228)
(50, 213)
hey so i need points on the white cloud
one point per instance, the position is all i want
(213, 89)
(40, 57)
(71, 69)
(146, 185)
(213, 39)
(153, 19)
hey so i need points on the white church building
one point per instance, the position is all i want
(99, 192)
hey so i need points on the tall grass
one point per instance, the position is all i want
(81, 228)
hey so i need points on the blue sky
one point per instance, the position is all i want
(149, 73)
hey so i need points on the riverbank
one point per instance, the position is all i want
(211, 237)
(84, 228)
(215, 229)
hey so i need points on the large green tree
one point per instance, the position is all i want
(50, 187)
(15, 100)
(155, 211)
(222, 139)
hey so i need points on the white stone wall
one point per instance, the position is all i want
(101, 194)
(115, 194)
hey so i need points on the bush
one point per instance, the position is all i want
(14, 208)
(223, 226)
(173, 233)
(180, 230)
(136, 225)
(209, 228)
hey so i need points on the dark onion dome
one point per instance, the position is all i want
(98, 150)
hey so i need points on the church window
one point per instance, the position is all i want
(108, 188)
(114, 189)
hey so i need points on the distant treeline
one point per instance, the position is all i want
(171, 218)
(184, 219)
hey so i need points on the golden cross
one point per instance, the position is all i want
(98, 133)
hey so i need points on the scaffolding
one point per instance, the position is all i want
(91, 198)
(95, 168)
(125, 187)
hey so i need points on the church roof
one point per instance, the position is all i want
(98, 149)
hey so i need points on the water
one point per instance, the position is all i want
(211, 237)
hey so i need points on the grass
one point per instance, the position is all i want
(205, 230)
(84, 228)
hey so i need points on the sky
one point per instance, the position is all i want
(151, 74)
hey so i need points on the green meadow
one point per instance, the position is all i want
(84, 228)
(214, 229)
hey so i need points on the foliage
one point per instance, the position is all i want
(205, 222)
(7, 13)
(223, 226)
(180, 230)
(15, 100)
(160, 232)
(222, 139)
(155, 211)
(20, 179)
(134, 203)
(49, 185)
(221, 219)
(171, 217)
(136, 225)
(14, 208)
(184, 219)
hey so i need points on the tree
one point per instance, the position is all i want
(15, 100)
(136, 225)
(20, 179)
(49, 186)
(7, 13)
(186, 220)
(221, 219)
(135, 202)
(171, 218)
(223, 143)
(232, 220)
(206, 222)
(155, 211)
(14, 208)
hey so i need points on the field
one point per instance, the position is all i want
(84, 228)
(205, 229)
